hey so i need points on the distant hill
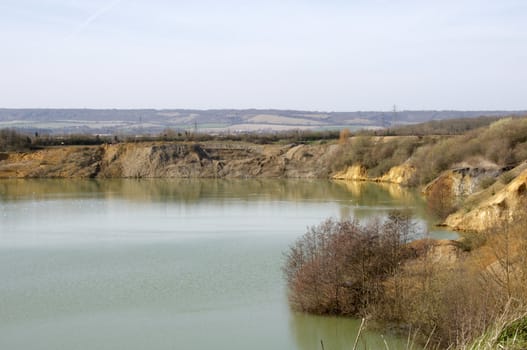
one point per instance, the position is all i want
(152, 121)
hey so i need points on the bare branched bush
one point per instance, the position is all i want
(441, 202)
(344, 136)
(339, 267)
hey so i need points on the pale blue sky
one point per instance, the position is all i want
(312, 54)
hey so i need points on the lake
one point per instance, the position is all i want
(171, 264)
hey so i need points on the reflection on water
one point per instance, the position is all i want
(195, 190)
(338, 333)
(362, 194)
(358, 200)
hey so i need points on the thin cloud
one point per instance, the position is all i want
(101, 11)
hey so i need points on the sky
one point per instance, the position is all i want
(323, 55)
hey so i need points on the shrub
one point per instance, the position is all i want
(470, 241)
(344, 136)
(339, 267)
(441, 202)
(348, 268)
(11, 140)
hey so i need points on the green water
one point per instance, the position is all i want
(169, 264)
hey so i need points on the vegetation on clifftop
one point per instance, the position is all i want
(13, 140)
(502, 143)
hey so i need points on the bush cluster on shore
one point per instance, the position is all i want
(340, 267)
(455, 294)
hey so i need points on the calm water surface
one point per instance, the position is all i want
(169, 264)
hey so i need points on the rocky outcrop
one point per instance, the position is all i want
(503, 206)
(461, 182)
(172, 160)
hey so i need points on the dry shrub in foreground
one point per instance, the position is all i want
(453, 297)
(448, 301)
(441, 200)
(457, 297)
(340, 267)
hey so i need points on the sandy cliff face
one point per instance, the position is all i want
(353, 173)
(172, 160)
(60, 162)
(503, 206)
(402, 174)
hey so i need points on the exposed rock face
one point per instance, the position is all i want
(189, 160)
(81, 162)
(503, 206)
(461, 182)
(173, 160)
(402, 174)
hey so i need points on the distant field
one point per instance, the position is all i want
(155, 122)
(276, 119)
